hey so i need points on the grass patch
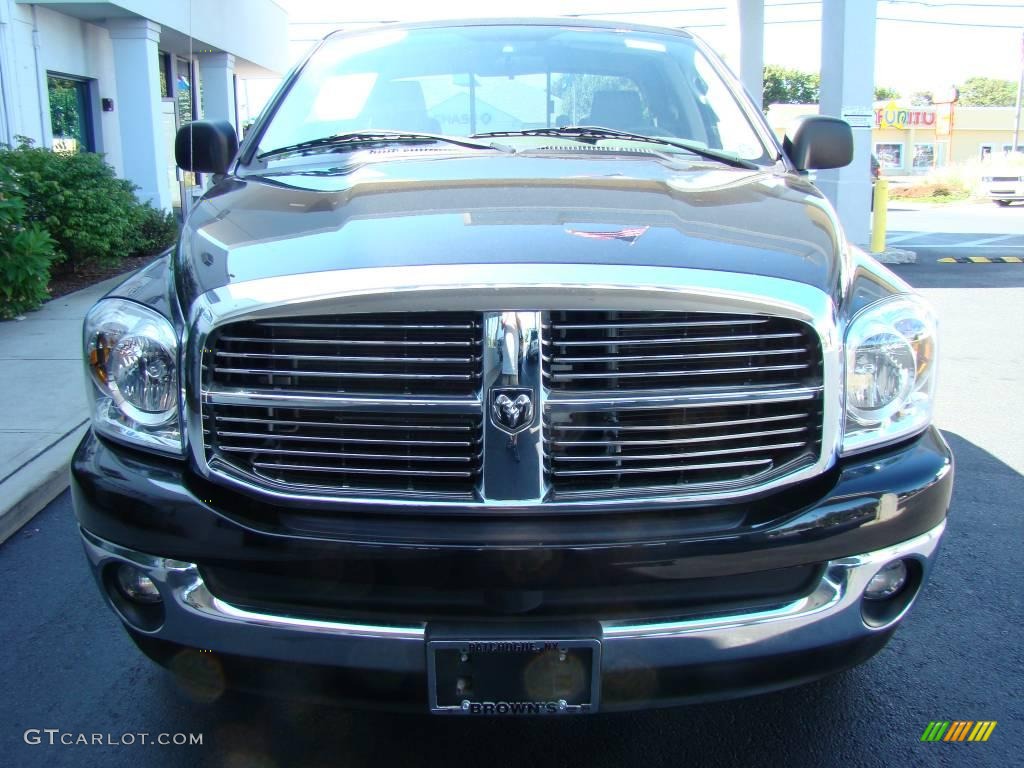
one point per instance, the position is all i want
(930, 191)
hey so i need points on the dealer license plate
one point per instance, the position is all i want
(513, 677)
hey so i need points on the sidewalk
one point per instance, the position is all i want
(43, 407)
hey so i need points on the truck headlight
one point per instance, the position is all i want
(890, 372)
(132, 356)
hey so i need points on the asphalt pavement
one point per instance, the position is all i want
(67, 664)
(981, 230)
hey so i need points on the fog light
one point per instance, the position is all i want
(136, 585)
(887, 582)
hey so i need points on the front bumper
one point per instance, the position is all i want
(755, 649)
(1006, 191)
(881, 507)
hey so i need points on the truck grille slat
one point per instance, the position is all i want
(367, 326)
(344, 440)
(342, 424)
(631, 341)
(696, 372)
(350, 456)
(350, 342)
(674, 456)
(645, 428)
(287, 373)
(697, 356)
(345, 358)
(730, 322)
(682, 468)
(361, 470)
(678, 440)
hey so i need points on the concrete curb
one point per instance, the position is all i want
(36, 483)
(895, 256)
(25, 489)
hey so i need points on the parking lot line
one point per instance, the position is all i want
(957, 246)
(981, 260)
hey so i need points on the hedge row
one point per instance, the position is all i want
(69, 209)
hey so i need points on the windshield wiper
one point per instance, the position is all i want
(363, 138)
(596, 132)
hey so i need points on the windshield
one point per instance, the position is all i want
(462, 81)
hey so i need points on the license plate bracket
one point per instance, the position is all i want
(513, 677)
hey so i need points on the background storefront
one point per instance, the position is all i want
(915, 140)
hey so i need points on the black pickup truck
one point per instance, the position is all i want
(512, 368)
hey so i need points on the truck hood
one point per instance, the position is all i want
(569, 208)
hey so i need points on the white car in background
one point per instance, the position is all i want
(1003, 186)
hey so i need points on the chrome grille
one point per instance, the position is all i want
(386, 353)
(684, 446)
(589, 350)
(395, 405)
(417, 453)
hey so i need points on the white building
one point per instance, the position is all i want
(120, 77)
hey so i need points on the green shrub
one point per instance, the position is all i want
(25, 253)
(156, 231)
(92, 215)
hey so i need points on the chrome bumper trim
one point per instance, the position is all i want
(186, 593)
(840, 588)
(831, 613)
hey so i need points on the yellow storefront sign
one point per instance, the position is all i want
(893, 115)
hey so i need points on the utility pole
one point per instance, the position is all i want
(1020, 98)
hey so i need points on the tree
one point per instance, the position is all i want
(884, 94)
(988, 92)
(922, 98)
(790, 86)
(64, 118)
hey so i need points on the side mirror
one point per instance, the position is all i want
(818, 142)
(206, 146)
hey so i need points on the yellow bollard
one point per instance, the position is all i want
(881, 204)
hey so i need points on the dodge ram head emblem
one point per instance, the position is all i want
(512, 409)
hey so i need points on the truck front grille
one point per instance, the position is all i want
(398, 404)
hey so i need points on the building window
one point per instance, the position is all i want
(889, 155)
(184, 92)
(924, 157)
(164, 66)
(985, 151)
(1008, 148)
(70, 114)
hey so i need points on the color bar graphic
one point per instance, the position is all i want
(958, 730)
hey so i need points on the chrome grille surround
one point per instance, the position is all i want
(490, 288)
